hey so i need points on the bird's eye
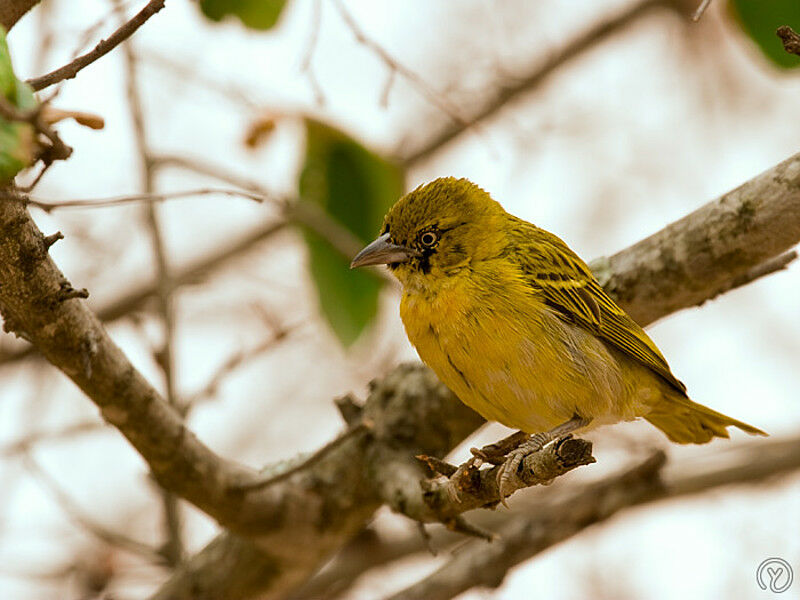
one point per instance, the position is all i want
(429, 239)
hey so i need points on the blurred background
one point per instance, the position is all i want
(349, 103)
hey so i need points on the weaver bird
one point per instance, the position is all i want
(516, 325)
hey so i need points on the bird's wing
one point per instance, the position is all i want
(568, 286)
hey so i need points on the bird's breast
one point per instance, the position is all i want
(482, 343)
(509, 357)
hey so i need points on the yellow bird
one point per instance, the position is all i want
(514, 322)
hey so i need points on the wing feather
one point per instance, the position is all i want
(568, 286)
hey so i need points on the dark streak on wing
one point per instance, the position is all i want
(568, 286)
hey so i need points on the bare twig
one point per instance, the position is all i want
(444, 499)
(392, 64)
(208, 169)
(27, 442)
(697, 15)
(50, 205)
(790, 39)
(232, 364)
(77, 515)
(575, 48)
(367, 551)
(297, 211)
(165, 358)
(72, 68)
(306, 66)
(198, 74)
(270, 477)
(768, 267)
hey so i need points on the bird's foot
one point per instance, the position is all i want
(495, 453)
(508, 479)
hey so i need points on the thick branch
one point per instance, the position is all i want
(72, 68)
(39, 304)
(328, 501)
(137, 297)
(708, 251)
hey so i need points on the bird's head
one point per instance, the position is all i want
(436, 230)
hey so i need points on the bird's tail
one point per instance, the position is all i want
(687, 422)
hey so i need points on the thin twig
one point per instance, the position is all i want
(575, 48)
(306, 66)
(215, 172)
(72, 68)
(233, 363)
(49, 205)
(768, 267)
(697, 15)
(198, 74)
(269, 477)
(392, 64)
(297, 211)
(76, 514)
(24, 444)
(165, 358)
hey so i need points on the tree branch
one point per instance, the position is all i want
(443, 499)
(72, 68)
(32, 300)
(194, 272)
(329, 500)
(777, 206)
(36, 305)
(709, 250)
(486, 565)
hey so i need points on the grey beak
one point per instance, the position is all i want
(382, 252)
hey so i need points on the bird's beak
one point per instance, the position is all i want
(382, 252)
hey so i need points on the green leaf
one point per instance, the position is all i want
(255, 14)
(8, 81)
(17, 142)
(355, 187)
(16, 149)
(760, 18)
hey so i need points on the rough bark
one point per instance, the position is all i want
(699, 256)
(39, 304)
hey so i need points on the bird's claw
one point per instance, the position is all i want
(496, 453)
(508, 479)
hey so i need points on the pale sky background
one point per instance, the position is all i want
(635, 134)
